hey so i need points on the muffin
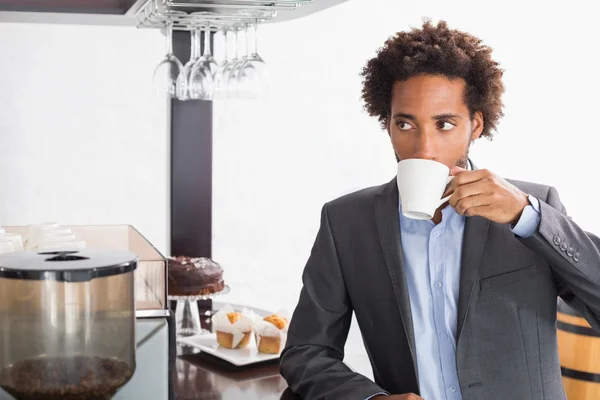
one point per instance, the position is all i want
(233, 329)
(271, 333)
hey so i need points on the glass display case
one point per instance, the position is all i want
(151, 273)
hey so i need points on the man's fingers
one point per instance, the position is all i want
(468, 190)
(464, 177)
(469, 205)
(455, 170)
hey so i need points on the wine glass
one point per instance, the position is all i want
(241, 55)
(218, 86)
(184, 82)
(207, 64)
(253, 75)
(232, 42)
(167, 72)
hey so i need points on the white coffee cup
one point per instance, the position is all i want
(421, 184)
(15, 238)
(6, 246)
(38, 232)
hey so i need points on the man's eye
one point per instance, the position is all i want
(403, 125)
(445, 126)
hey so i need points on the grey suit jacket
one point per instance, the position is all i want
(506, 329)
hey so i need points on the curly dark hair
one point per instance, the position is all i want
(435, 50)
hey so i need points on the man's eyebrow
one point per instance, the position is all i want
(446, 116)
(404, 115)
(435, 117)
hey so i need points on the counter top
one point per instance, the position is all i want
(202, 376)
(195, 375)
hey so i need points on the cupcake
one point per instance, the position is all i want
(233, 329)
(271, 333)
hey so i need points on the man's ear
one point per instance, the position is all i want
(477, 125)
(389, 132)
(387, 125)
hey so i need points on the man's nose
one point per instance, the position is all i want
(425, 147)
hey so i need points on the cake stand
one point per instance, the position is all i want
(188, 315)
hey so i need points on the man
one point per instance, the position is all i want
(459, 307)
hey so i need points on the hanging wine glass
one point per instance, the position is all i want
(207, 65)
(183, 87)
(167, 72)
(253, 75)
(218, 86)
(242, 54)
(232, 41)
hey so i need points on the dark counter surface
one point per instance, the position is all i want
(199, 375)
(202, 376)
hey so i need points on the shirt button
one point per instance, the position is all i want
(453, 388)
(436, 234)
(438, 285)
(444, 336)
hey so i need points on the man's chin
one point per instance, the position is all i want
(461, 164)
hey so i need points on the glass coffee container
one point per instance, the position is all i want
(67, 323)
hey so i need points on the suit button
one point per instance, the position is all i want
(570, 252)
(563, 246)
(557, 240)
(576, 257)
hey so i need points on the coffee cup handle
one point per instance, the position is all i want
(445, 199)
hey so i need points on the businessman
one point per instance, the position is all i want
(462, 306)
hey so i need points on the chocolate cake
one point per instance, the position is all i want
(194, 276)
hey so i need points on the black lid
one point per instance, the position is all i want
(66, 265)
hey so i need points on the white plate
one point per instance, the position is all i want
(239, 357)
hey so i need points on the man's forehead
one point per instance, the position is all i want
(431, 92)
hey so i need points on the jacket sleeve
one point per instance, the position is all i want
(311, 361)
(573, 254)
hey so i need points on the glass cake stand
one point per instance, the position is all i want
(187, 313)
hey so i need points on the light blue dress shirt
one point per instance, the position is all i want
(432, 255)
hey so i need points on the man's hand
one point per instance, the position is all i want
(482, 193)
(408, 396)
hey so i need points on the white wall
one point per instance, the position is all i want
(83, 140)
(278, 161)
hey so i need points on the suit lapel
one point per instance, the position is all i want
(474, 239)
(388, 227)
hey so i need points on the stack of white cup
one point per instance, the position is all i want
(10, 242)
(46, 236)
(50, 235)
